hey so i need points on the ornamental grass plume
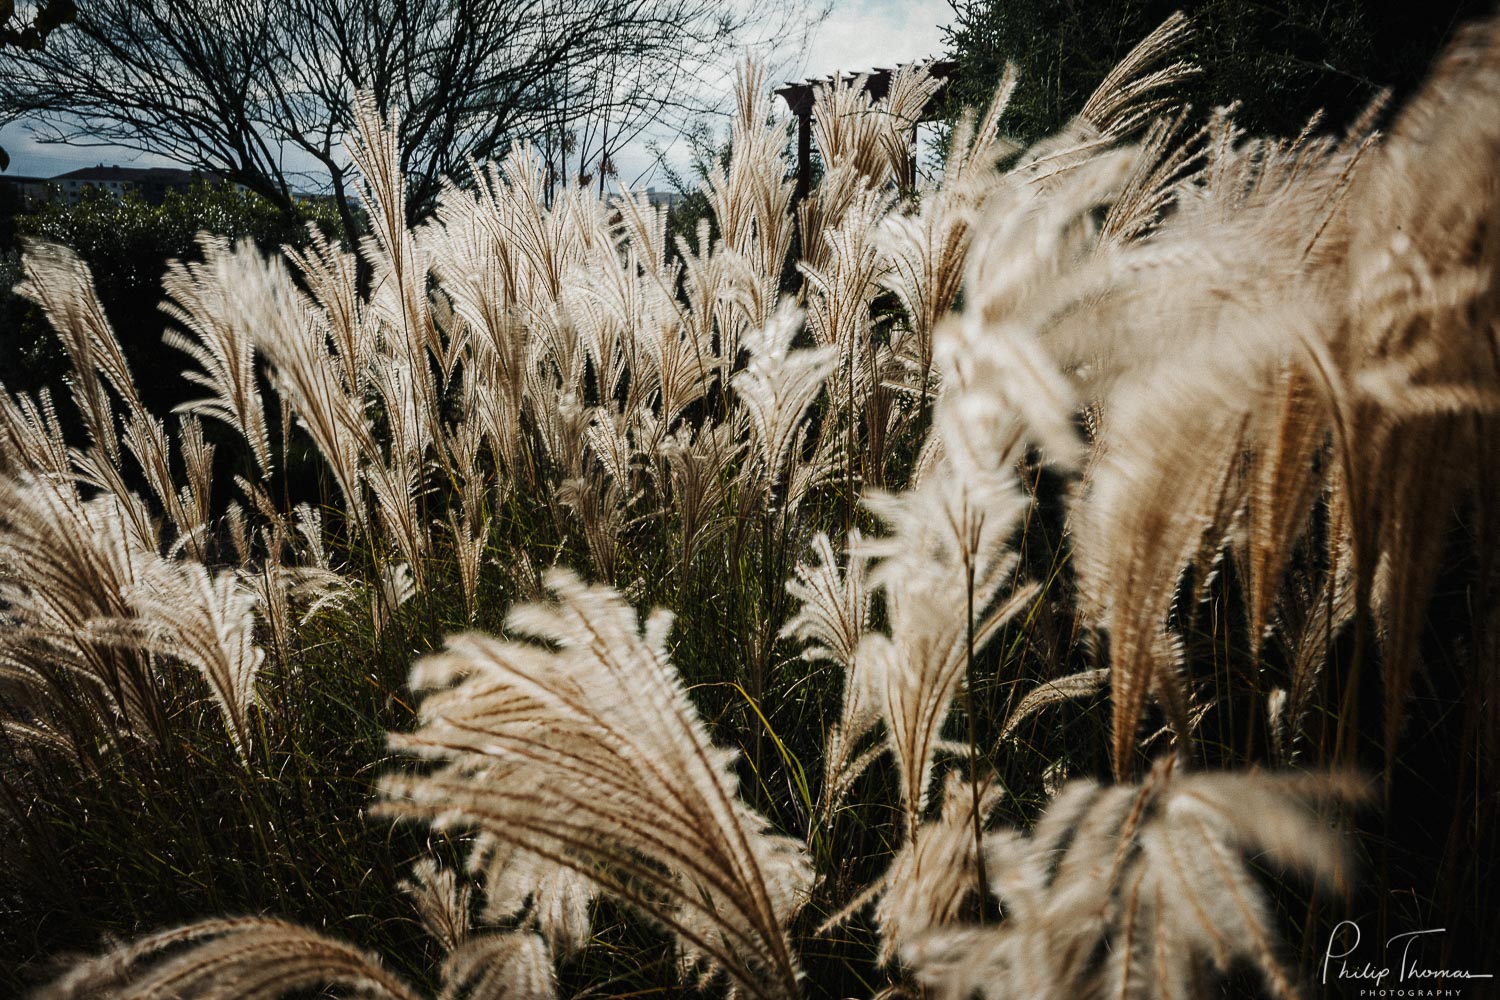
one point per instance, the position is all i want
(586, 753)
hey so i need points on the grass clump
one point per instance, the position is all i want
(1127, 447)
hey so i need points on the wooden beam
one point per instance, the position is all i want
(804, 154)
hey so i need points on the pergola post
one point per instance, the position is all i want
(804, 152)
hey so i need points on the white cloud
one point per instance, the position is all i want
(866, 34)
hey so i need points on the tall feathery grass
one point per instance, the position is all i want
(1139, 444)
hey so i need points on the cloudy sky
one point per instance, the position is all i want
(857, 35)
(863, 34)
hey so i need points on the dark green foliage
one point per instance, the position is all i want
(170, 837)
(17, 32)
(127, 243)
(1282, 61)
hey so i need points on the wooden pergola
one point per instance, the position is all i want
(800, 98)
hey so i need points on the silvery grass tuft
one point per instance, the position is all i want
(590, 758)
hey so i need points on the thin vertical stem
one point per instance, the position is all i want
(970, 551)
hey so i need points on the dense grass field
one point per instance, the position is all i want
(1072, 578)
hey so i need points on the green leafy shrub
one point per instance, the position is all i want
(126, 242)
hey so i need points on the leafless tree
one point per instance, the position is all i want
(263, 91)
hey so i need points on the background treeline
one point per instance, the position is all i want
(1279, 61)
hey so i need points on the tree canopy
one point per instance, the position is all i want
(1280, 60)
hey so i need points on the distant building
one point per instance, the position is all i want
(149, 183)
(663, 199)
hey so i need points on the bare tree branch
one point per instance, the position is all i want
(238, 87)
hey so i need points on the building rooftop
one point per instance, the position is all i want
(135, 175)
